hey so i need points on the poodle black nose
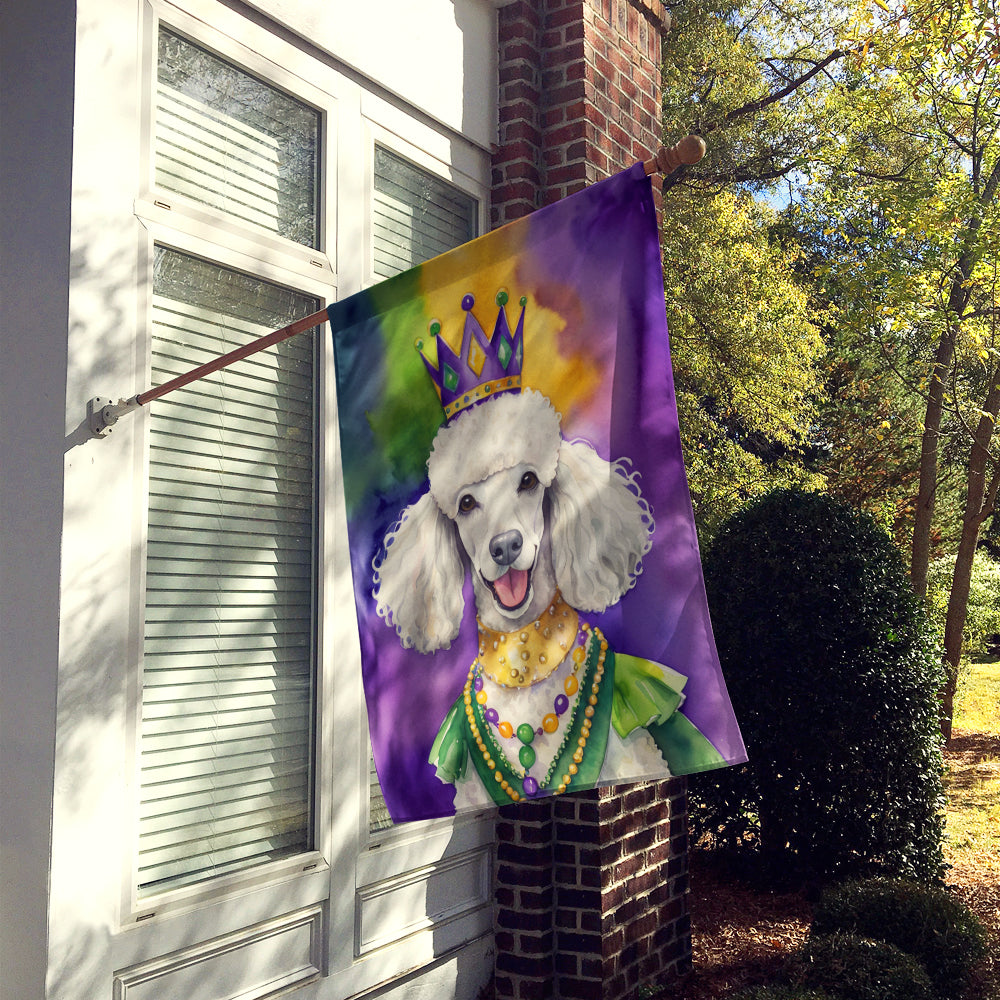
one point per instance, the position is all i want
(506, 547)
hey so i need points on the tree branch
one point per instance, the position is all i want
(754, 106)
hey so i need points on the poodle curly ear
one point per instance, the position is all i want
(418, 582)
(600, 527)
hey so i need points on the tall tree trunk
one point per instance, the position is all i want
(920, 553)
(980, 498)
(958, 300)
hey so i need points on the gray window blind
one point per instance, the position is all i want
(231, 141)
(228, 656)
(416, 216)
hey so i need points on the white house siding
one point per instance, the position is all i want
(411, 914)
(431, 54)
(36, 116)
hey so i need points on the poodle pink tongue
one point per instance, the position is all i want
(511, 587)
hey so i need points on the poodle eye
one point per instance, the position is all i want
(467, 503)
(528, 482)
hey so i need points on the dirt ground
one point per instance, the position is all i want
(742, 935)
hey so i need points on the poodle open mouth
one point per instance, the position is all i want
(512, 590)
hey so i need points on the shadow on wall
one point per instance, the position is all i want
(90, 818)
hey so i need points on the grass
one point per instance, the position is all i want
(978, 697)
(972, 848)
(973, 782)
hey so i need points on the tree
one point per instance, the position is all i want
(747, 353)
(749, 74)
(913, 186)
(866, 438)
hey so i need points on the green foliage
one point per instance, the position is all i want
(926, 922)
(983, 612)
(744, 341)
(904, 189)
(738, 72)
(878, 126)
(833, 674)
(870, 429)
(857, 968)
(746, 355)
(868, 424)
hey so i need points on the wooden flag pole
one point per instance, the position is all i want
(260, 344)
(103, 413)
(668, 158)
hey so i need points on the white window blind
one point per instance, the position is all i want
(228, 140)
(228, 660)
(416, 216)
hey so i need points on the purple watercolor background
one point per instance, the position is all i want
(603, 243)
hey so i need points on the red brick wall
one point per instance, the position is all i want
(621, 854)
(591, 888)
(591, 893)
(579, 96)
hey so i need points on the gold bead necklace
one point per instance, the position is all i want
(527, 655)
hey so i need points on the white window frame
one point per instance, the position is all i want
(183, 240)
(393, 859)
(180, 224)
(351, 876)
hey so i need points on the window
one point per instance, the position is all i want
(273, 183)
(229, 649)
(416, 216)
(228, 679)
(227, 140)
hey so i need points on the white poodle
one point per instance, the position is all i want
(548, 530)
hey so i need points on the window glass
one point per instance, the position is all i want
(416, 216)
(228, 140)
(228, 680)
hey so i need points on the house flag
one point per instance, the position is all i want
(526, 574)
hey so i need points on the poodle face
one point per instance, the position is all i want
(525, 512)
(501, 524)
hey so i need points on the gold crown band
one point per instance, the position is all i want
(481, 392)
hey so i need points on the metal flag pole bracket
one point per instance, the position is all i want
(103, 413)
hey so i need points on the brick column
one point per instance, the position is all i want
(517, 160)
(621, 884)
(591, 888)
(579, 96)
(524, 902)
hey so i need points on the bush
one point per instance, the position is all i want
(856, 968)
(833, 673)
(925, 922)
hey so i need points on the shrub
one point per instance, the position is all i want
(856, 968)
(833, 673)
(925, 922)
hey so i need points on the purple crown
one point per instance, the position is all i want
(485, 366)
